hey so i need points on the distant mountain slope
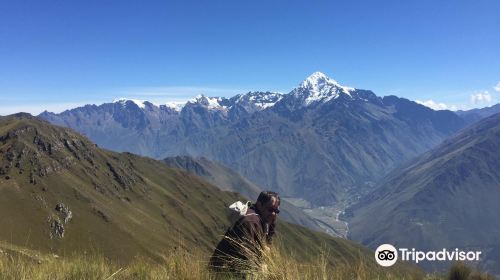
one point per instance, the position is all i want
(322, 141)
(446, 198)
(229, 180)
(474, 115)
(59, 193)
(215, 173)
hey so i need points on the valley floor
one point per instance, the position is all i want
(328, 217)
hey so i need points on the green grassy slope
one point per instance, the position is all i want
(121, 204)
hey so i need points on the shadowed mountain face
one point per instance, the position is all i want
(323, 142)
(446, 198)
(229, 180)
(61, 194)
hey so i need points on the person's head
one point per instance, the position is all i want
(267, 205)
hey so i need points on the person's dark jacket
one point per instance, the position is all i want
(242, 245)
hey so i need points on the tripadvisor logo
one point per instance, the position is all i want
(387, 255)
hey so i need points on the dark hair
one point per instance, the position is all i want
(266, 196)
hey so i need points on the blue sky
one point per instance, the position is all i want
(60, 54)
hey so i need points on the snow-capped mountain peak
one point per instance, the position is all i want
(143, 104)
(256, 100)
(209, 102)
(320, 87)
(175, 105)
(123, 101)
(318, 79)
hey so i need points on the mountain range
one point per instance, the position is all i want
(323, 142)
(61, 194)
(410, 176)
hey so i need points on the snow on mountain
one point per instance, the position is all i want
(209, 102)
(255, 101)
(319, 87)
(316, 88)
(175, 105)
(123, 101)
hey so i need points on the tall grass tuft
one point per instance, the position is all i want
(460, 271)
